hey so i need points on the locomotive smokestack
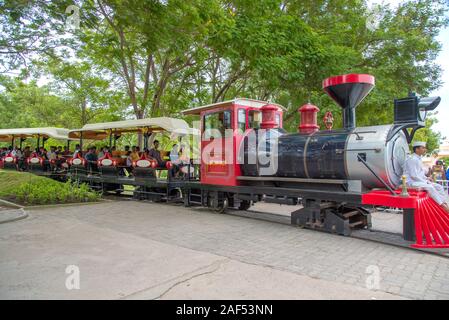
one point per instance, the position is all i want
(349, 91)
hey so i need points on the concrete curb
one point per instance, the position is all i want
(11, 204)
(61, 205)
(22, 215)
(15, 205)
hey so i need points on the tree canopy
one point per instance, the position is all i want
(113, 59)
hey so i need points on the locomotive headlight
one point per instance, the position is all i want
(429, 103)
(412, 111)
(422, 114)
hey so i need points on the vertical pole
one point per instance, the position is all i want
(12, 142)
(81, 142)
(38, 142)
(408, 224)
(145, 141)
(21, 143)
(110, 140)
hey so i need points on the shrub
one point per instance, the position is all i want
(39, 190)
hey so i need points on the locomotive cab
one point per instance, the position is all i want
(223, 128)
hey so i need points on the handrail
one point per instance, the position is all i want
(376, 175)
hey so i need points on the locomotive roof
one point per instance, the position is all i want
(240, 101)
(49, 132)
(99, 131)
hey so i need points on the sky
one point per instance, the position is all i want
(443, 91)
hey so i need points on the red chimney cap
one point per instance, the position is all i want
(349, 78)
(309, 107)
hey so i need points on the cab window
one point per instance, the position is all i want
(241, 120)
(254, 119)
(217, 122)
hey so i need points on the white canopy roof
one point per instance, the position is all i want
(100, 131)
(50, 132)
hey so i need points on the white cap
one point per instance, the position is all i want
(419, 144)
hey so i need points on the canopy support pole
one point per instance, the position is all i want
(43, 142)
(81, 142)
(12, 142)
(38, 142)
(116, 137)
(145, 141)
(110, 140)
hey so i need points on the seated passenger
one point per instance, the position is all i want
(77, 151)
(66, 151)
(4, 152)
(52, 154)
(27, 152)
(134, 154)
(115, 153)
(91, 158)
(416, 177)
(43, 153)
(59, 151)
(129, 160)
(16, 152)
(103, 152)
(156, 154)
(181, 165)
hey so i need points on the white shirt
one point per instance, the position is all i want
(52, 155)
(414, 171)
(17, 153)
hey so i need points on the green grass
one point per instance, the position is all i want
(29, 189)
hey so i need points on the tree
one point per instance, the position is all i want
(428, 135)
(28, 105)
(91, 95)
(163, 56)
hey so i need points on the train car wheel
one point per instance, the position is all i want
(222, 205)
(244, 205)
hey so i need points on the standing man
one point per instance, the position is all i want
(416, 176)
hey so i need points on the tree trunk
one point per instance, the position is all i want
(83, 112)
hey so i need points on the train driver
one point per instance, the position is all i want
(416, 177)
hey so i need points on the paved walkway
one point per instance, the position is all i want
(144, 250)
